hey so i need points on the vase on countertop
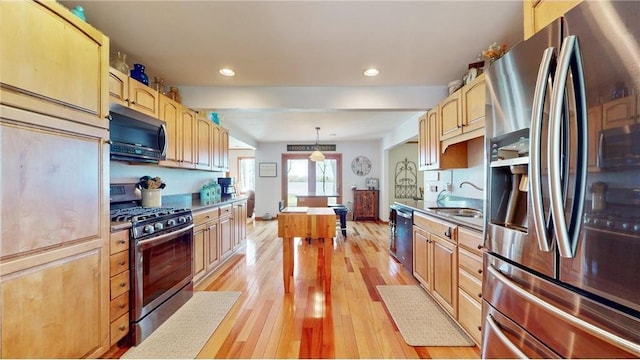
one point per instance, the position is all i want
(138, 73)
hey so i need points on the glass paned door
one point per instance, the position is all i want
(297, 179)
(305, 177)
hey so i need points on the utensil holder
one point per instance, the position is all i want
(151, 198)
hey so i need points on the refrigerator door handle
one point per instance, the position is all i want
(504, 339)
(547, 65)
(568, 318)
(570, 52)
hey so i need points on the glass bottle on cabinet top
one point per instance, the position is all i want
(119, 62)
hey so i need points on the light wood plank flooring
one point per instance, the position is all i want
(351, 322)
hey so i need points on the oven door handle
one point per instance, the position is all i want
(144, 244)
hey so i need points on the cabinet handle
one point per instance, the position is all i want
(122, 328)
(207, 216)
(479, 328)
(480, 295)
(133, 103)
(448, 233)
(479, 271)
(122, 262)
(122, 242)
(480, 247)
(123, 284)
(121, 306)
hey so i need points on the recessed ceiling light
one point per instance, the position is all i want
(227, 72)
(371, 72)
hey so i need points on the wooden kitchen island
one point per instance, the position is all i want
(306, 222)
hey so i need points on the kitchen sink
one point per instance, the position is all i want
(458, 211)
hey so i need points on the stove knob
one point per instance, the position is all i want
(636, 227)
(171, 222)
(182, 220)
(189, 218)
(596, 221)
(159, 226)
(625, 226)
(149, 229)
(610, 223)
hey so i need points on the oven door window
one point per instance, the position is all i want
(165, 266)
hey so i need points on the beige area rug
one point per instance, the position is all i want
(420, 320)
(184, 334)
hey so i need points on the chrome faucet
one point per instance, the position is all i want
(471, 184)
(438, 200)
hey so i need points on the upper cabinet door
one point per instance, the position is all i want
(118, 87)
(540, 13)
(450, 125)
(143, 98)
(78, 52)
(473, 104)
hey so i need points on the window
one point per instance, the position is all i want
(246, 174)
(303, 176)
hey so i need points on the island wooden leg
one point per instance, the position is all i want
(328, 250)
(287, 262)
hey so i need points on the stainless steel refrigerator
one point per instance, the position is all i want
(562, 268)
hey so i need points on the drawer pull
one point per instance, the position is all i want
(480, 247)
(479, 271)
(448, 233)
(122, 262)
(123, 284)
(479, 328)
(121, 306)
(122, 328)
(480, 295)
(207, 216)
(122, 242)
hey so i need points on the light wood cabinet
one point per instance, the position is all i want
(170, 112)
(204, 143)
(216, 236)
(53, 62)
(239, 223)
(430, 155)
(619, 112)
(594, 116)
(463, 115)
(130, 93)
(365, 204)
(470, 249)
(119, 286)
(55, 259)
(436, 259)
(540, 13)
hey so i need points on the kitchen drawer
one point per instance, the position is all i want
(119, 241)
(119, 306)
(470, 240)
(435, 226)
(118, 262)
(470, 315)
(119, 284)
(119, 328)
(470, 262)
(204, 216)
(470, 284)
(225, 211)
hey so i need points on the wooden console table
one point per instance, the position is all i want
(306, 223)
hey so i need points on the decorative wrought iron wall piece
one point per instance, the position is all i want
(406, 179)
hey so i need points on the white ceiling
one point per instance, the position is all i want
(308, 45)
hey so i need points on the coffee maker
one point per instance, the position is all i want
(227, 186)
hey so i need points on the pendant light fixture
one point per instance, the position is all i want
(316, 155)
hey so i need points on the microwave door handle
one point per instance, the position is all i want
(162, 134)
(570, 52)
(547, 65)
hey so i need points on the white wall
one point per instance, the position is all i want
(178, 181)
(269, 189)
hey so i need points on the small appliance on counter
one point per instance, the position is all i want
(227, 186)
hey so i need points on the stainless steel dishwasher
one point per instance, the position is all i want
(401, 246)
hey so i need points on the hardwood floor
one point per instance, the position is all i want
(350, 322)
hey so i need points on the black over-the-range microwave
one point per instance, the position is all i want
(136, 137)
(619, 147)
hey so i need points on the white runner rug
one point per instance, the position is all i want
(184, 334)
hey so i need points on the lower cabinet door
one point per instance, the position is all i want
(470, 315)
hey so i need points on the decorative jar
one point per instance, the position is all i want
(173, 94)
(119, 62)
(138, 73)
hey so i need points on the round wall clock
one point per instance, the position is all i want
(361, 165)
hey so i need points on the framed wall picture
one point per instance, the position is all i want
(267, 169)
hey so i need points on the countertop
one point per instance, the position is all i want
(468, 222)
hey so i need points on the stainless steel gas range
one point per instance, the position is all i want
(160, 258)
